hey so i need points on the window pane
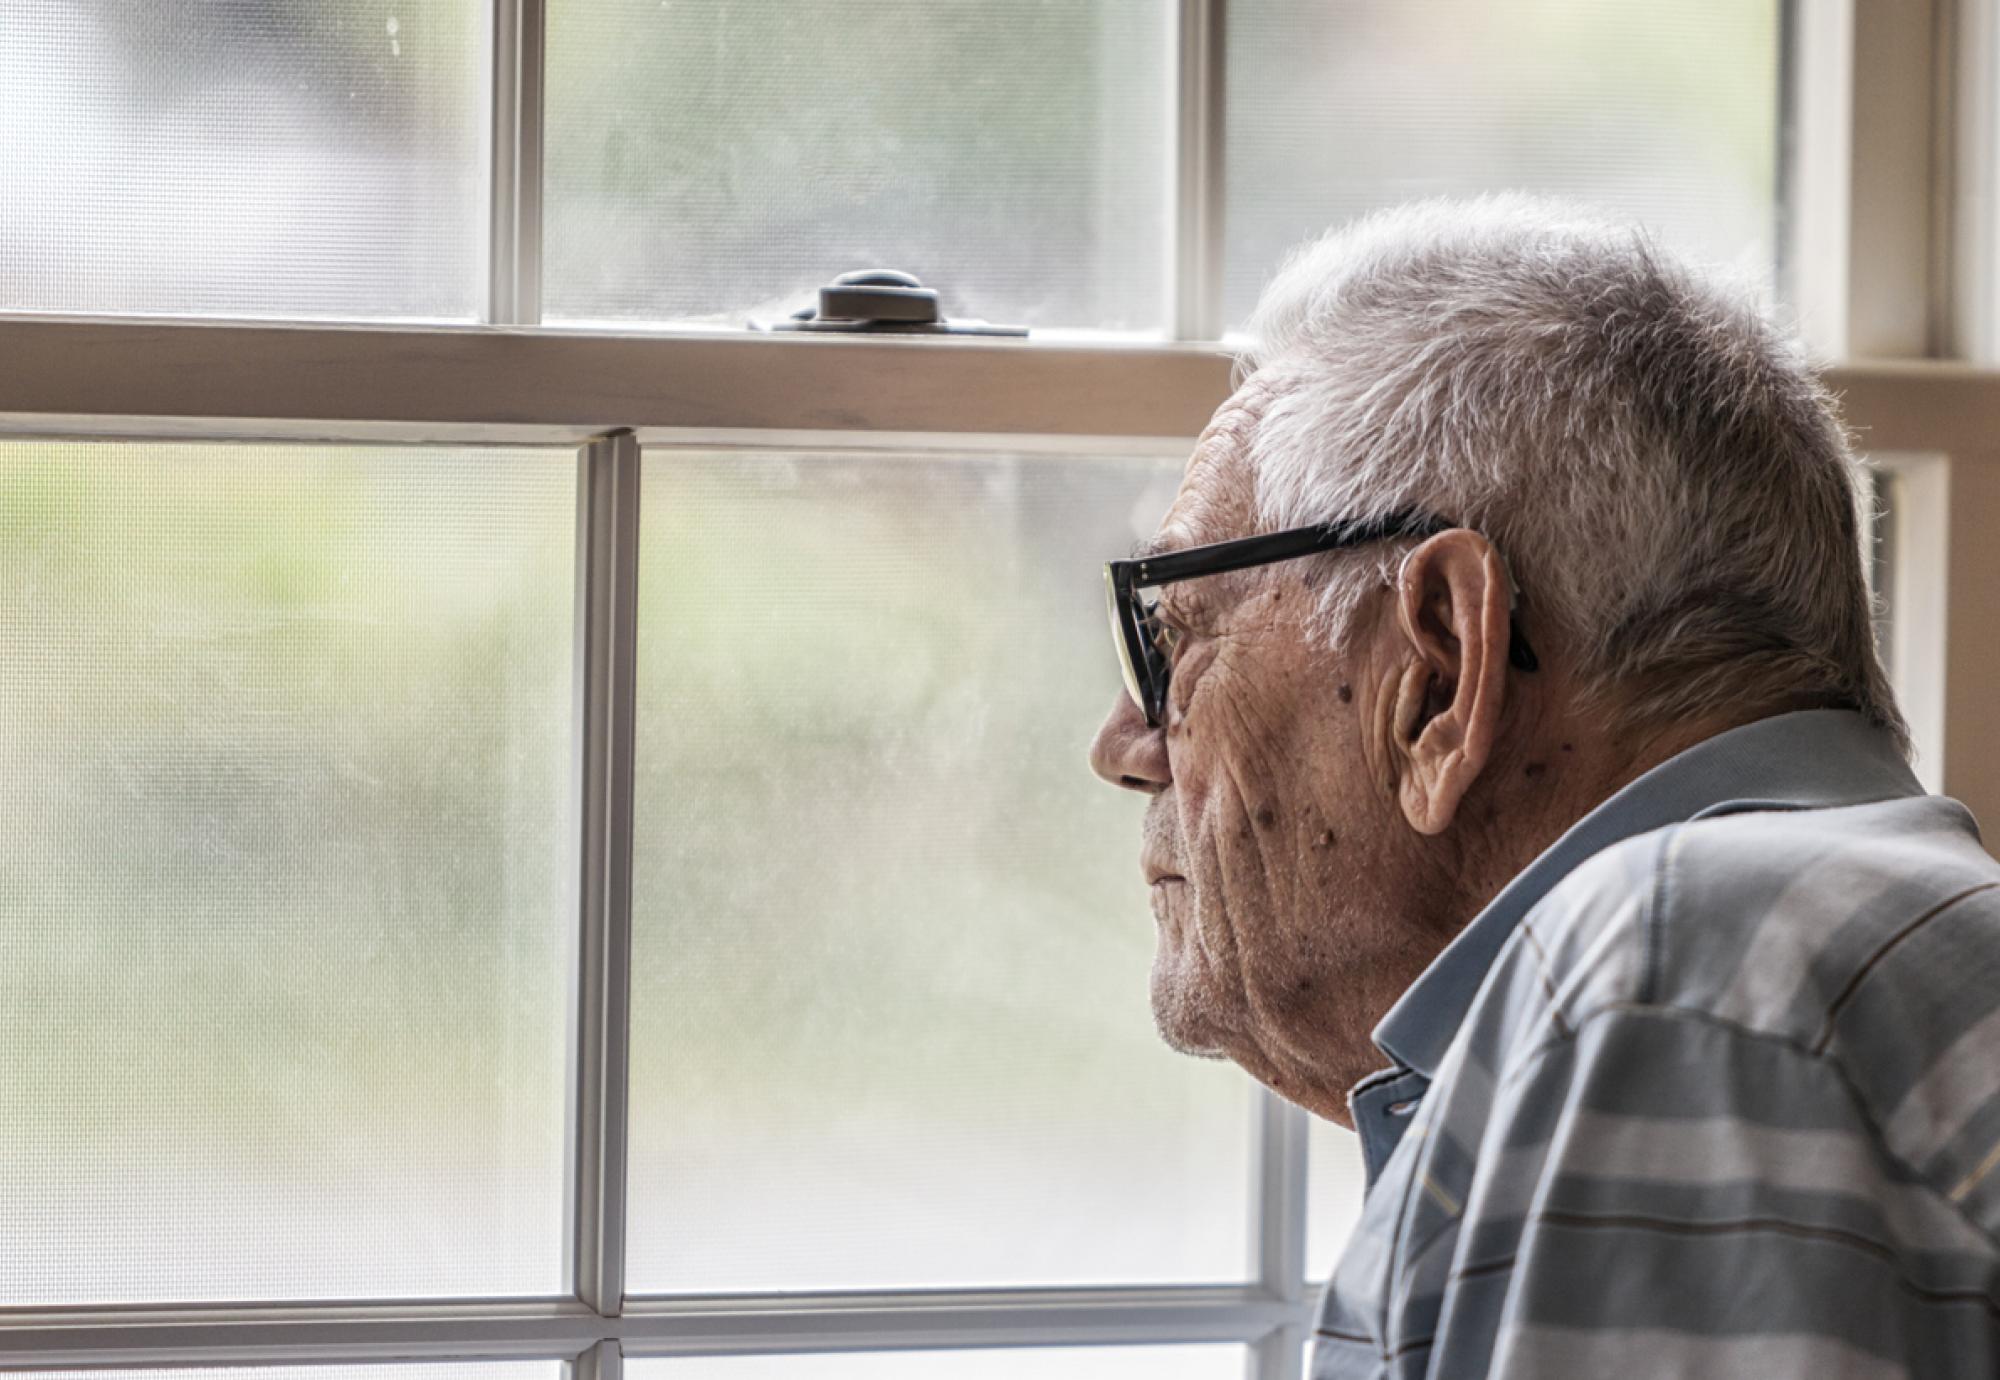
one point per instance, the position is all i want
(256, 158)
(721, 158)
(1334, 1180)
(1666, 113)
(1206, 1362)
(284, 935)
(890, 999)
(483, 1370)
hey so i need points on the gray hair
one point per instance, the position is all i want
(1655, 459)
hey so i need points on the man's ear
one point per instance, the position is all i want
(1452, 605)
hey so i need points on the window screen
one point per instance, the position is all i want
(719, 159)
(284, 917)
(483, 1370)
(1668, 114)
(890, 1017)
(1334, 1183)
(1048, 1363)
(253, 158)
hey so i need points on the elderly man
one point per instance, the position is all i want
(1527, 795)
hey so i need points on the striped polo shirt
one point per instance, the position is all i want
(1711, 1089)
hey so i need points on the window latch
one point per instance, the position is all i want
(882, 301)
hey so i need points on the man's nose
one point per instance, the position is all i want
(1128, 753)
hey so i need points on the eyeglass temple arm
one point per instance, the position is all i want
(1245, 552)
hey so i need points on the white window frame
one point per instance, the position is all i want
(1885, 262)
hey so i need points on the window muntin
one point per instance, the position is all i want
(1016, 157)
(1665, 113)
(284, 751)
(890, 1022)
(260, 158)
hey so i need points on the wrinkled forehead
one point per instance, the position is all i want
(1218, 493)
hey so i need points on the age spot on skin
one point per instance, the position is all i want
(1266, 816)
(1325, 839)
(1347, 695)
(1535, 769)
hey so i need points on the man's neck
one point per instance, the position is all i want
(1552, 776)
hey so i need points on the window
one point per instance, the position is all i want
(252, 159)
(1014, 155)
(889, 1026)
(1091, 1363)
(284, 737)
(1664, 112)
(1336, 1179)
(570, 845)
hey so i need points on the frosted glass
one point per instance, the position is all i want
(482, 1370)
(717, 159)
(1334, 1183)
(1666, 113)
(284, 916)
(890, 1012)
(1206, 1362)
(255, 158)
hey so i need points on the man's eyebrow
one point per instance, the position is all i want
(1156, 545)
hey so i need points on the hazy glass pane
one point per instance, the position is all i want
(253, 158)
(284, 756)
(1334, 1180)
(1663, 112)
(1208, 1362)
(721, 158)
(890, 1012)
(482, 1370)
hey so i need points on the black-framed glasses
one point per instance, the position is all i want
(1141, 638)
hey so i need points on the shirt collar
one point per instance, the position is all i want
(1812, 759)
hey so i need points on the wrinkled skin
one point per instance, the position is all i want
(1322, 823)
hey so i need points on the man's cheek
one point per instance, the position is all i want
(1190, 677)
(1196, 782)
(1238, 877)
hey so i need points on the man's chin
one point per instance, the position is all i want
(1181, 1045)
(1180, 1022)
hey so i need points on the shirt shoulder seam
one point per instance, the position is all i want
(1652, 925)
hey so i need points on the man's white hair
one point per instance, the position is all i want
(1655, 459)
